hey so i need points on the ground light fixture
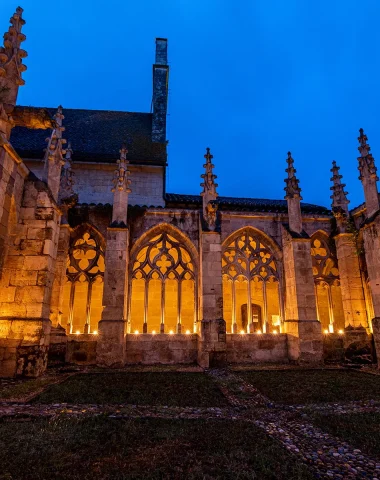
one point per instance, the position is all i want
(188, 332)
(77, 332)
(136, 332)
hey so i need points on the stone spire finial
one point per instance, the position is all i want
(54, 154)
(209, 185)
(209, 193)
(368, 175)
(67, 174)
(293, 197)
(121, 188)
(339, 200)
(121, 180)
(292, 188)
(67, 198)
(11, 66)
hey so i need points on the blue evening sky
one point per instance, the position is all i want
(251, 79)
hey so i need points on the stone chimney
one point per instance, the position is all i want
(293, 197)
(160, 91)
(368, 175)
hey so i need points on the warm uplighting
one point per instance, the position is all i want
(153, 332)
(171, 332)
(188, 332)
(275, 332)
(136, 332)
(331, 328)
(242, 332)
(95, 332)
(326, 332)
(340, 332)
(259, 332)
(77, 332)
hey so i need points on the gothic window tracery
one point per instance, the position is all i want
(83, 290)
(163, 287)
(251, 293)
(327, 283)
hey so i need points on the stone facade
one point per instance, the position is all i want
(100, 265)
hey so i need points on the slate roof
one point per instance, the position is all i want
(243, 204)
(96, 136)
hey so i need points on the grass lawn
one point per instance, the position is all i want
(23, 389)
(102, 448)
(313, 386)
(361, 430)
(142, 388)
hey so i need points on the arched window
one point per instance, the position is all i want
(163, 287)
(251, 289)
(327, 283)
(83, 290)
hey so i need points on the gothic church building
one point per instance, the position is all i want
(101, 265)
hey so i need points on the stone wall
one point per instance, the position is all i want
(93, 182)
(265, 348)
(81, 349)
(165, 349)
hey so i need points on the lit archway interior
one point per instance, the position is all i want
(83, 290)
(163, 287)
(251, 286)
(327, 284)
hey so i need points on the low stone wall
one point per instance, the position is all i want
(149, 349)
(333, 348)
(264, 348)
(81, 349)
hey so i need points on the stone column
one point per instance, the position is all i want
(26, 284)
(305, 343)
(371, 227)
(112, 327)
(60, 276)
(371, 238)
(355, 313)
(212, 339)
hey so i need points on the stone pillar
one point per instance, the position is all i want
(305, 343)
(111, 333)
(355, 313)
(26, 284)
(212, 339)
(60, 276)
(112, 327)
